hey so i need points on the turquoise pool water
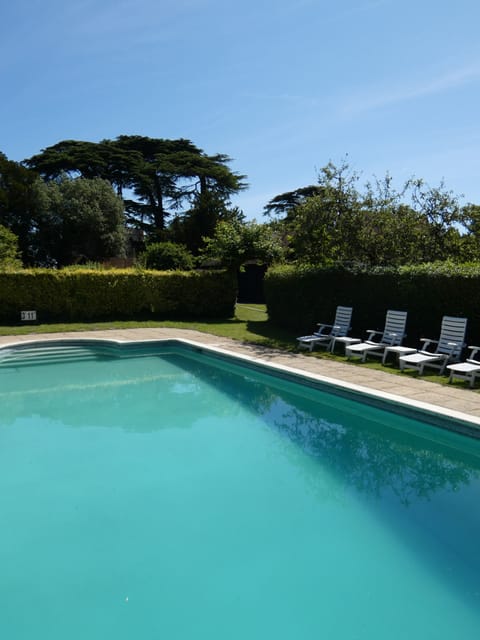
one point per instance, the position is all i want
(179, 496)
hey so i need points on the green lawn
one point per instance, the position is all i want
(250, 324)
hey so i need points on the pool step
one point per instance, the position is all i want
(44, 355)
(60, 352)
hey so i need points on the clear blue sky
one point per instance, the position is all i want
(281, 86)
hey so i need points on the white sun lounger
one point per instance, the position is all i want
(327, 332)
(468, 370)
(449, 347)
(377, 341)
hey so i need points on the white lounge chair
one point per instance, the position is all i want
(377, 341)
(449, 347)
(327, 332)
(468, 370)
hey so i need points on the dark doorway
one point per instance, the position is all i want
(250, 283)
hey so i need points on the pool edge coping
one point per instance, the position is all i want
(441, 417)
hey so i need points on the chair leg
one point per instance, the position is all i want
(473, 377)
(442, 368)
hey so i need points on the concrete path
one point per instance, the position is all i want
(450, 398)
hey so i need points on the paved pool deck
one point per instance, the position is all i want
(452, 398)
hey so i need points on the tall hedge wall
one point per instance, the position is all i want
(298, 298)
(115, 294)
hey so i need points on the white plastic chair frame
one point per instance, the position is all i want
(392, 335)
(322, 337)
(468, 370)
(449, 347)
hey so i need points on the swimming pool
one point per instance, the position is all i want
(161, 491)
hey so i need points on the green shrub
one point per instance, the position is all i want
(83, 295)
(299, 297)
(9, 254)
(166, 256)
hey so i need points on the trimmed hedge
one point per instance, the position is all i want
(83, 295)
(300, 297)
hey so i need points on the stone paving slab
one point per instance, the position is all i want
(461, 400)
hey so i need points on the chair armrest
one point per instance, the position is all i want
(372, 332)
(389, 337)
(474, 351)
(427, 342)
(393, 337)
(322, 326)
(454, 345)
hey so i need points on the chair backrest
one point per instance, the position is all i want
(341, 324)
(452, 330)
(394, 331)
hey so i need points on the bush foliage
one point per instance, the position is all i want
(83, 295)
(299, 297)
(166, 256)
(9, 254)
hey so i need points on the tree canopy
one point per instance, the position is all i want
(19, 205)
(162, 176)
(234, 243)
(336, 221)
(79, 220)
(75, 200)
(60, 221)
